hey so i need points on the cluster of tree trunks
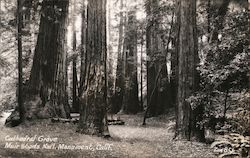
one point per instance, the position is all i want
(130, 100)
(45, 95)
(126, 98)
(157, 75)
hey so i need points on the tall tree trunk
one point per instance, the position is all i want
(110, 55)
(164, 91)
(28, 31)
(187, 60)
(1, 21)
(75, 106)
(153, 48)
(130, 97)
(119, 82)
(141, 73)
(209, 15)
(174, 57)
(93, 116)
(73, 26)
(47, 86)
(20, 67)
(165, 96)
(83, 69)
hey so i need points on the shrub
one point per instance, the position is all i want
(232, 145)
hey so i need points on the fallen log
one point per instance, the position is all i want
(116, 122)
(63, 120)
(76, 120)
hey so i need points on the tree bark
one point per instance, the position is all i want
(20, 67)
(141, 73)
(110, 56)
(174, 58)
(47, 85)
(187, 60)
(83, 69)
(73, 26)
(75, 105)
(93, 116)
(209, 15)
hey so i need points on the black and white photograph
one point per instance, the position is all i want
(124, 78)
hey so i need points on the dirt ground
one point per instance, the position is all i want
(154, 140)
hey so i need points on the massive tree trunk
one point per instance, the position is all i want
(46, 89)
(130, 97)
(93, 116)
(187, 60)
(119, 82)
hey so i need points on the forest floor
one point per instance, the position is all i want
(154, 140)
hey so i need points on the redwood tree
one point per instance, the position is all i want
(46, 90)
(156, 64)
(93, 114)
(187, 60)
(130, 96)
(119, 82)
(20, 66)
(75, 105)
(83, 57)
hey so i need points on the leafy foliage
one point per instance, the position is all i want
(232, 145)
(240, 117)
(227, 62)
(224, 72)
(8, 45)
